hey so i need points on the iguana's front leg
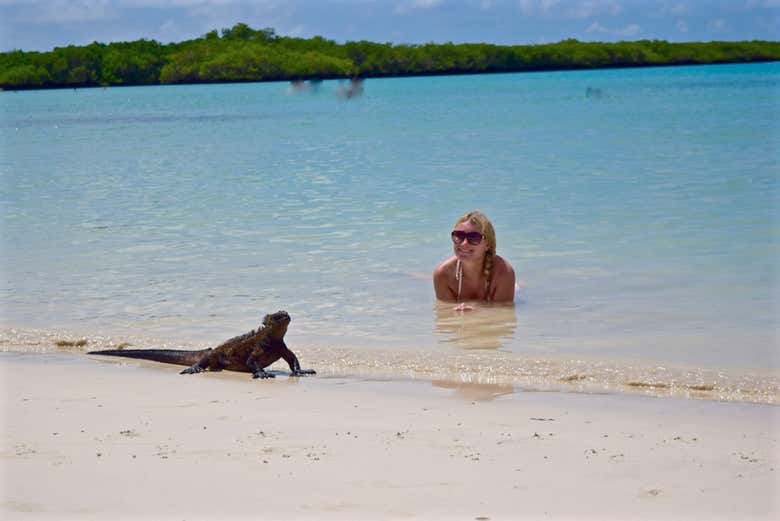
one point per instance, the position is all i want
(292, 361)
(261, 373)
(255, 364)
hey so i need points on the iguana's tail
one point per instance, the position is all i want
(166, 356)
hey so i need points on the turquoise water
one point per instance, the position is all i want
(639, 208)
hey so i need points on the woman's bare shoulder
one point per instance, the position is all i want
(442, 278)
(503, 280)
(445, 268)
(502, 266)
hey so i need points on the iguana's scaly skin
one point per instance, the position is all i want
(250, 353)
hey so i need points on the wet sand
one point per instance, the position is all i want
(84, 438)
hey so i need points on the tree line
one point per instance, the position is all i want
(241, 53)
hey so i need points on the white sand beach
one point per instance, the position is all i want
(121, 439)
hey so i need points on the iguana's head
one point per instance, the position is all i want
(277, 323)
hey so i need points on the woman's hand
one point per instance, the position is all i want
(462, 307)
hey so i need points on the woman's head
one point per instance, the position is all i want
(477, 221)
(464, 237)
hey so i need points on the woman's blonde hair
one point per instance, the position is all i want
(481, 221)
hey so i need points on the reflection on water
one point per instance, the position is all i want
(475, 391)
(483, 327)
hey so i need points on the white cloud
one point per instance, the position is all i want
(168, 26)
(68, 11)
(570, 9)
(170, 31)
(296, 32)
(629, 30)
(533, 7)
(682, 26)
(410, 6)
(176, 3)
(590, 8)
(679, 9)
(752, 4)
(718, 25)
(72, 11)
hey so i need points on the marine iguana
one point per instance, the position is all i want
(249, 353)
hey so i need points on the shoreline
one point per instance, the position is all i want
(540, 70)
(90, 439)
(575, 374)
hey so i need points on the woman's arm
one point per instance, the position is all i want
(503, 281)
(440, 284)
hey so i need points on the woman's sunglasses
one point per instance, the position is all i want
(459, 236)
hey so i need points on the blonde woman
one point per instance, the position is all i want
(475, 272)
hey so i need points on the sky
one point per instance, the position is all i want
(41, 25)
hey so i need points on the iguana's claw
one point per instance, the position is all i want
(303, 372)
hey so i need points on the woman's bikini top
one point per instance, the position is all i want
(459, 278)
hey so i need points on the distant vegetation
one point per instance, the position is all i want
(245, 54)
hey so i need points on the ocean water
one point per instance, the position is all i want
(639, 208)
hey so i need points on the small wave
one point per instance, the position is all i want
(548, 374)
(134, 120)
(499, 369)
(58, 341)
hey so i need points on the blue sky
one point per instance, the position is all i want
(44, 24)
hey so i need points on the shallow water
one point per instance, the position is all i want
(643, 222)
